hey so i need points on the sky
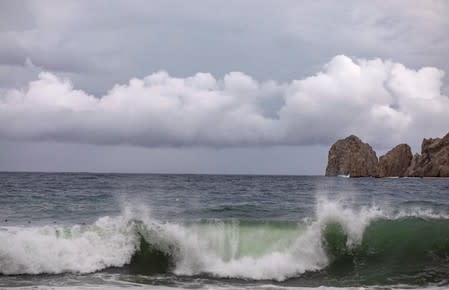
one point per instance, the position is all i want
(226, 87)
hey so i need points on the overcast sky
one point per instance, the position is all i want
(216, 86)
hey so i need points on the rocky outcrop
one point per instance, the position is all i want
(434, 159)
(350, 156)
(395, 162)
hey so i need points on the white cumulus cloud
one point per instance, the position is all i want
(381, 101)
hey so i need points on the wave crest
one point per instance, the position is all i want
(340, 238)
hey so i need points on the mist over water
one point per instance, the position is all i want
(205, 231)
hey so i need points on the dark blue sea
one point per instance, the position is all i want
(156, 231)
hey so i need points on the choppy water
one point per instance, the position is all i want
(78, 231)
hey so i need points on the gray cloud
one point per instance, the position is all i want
(112, 41)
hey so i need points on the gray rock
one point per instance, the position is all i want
(395, 162)
(350, 156)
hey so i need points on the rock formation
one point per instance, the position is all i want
(434, 159)
(350, 156)
(395, 162)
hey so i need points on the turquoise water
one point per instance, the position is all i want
(78, 231)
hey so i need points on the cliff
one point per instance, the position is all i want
(434, 159)
(395, 162)
(350, 156)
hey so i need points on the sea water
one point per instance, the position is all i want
(154, 231)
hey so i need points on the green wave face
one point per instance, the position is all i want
(401, 251)
(406, 250)
(150, 260)
(233, 240)
(224, 241)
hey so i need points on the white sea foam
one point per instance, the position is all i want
(344, 176)
(55, 249)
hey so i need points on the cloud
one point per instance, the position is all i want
(109, 41)
(382, 101)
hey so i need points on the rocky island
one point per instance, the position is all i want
(352, 157)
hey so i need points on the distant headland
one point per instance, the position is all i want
(352, 157)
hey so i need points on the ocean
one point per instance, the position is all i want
(162, 231)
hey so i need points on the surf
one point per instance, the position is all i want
(339, 242)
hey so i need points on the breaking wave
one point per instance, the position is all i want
(339, 238)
